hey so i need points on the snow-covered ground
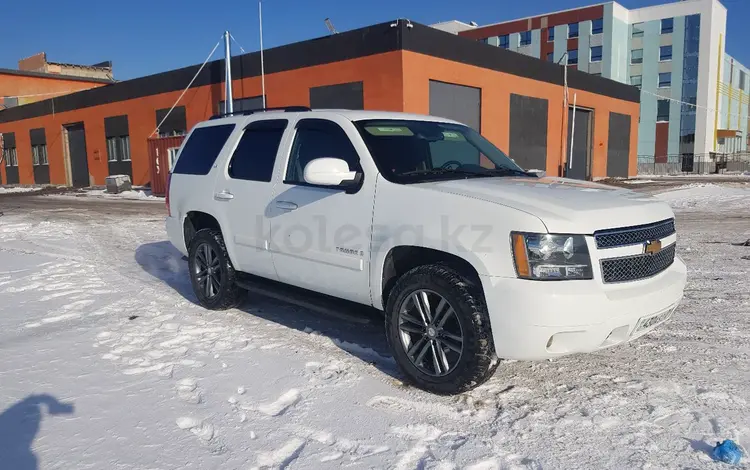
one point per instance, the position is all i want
(18, 189)
(134, 195)
(106, 362)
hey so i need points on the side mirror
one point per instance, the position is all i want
(329, 172)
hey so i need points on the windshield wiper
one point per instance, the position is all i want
(444, 171)
(510, 171)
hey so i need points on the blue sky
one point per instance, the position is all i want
(144, 37)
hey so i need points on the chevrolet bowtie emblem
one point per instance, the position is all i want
(651, 247)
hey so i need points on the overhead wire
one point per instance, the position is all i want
(188, 87)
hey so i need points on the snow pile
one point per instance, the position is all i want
(134, 195)
(4, 190)
(707, 197)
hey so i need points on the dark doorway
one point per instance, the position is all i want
(618, 145)
(458, 102)
(579, 163)
(79, 165)
(341, 96)
(528, 132)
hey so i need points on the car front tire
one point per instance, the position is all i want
(439, 330)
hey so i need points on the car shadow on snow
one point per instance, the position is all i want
(360, 333)
(19, 425)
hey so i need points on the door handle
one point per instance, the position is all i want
(224, 196)
(286, 205)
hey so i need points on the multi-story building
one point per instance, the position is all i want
(694, 97)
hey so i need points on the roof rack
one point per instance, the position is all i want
(247, 112)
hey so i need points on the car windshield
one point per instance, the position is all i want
(416, 151)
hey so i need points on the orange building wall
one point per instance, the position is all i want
(495, 114)
(382, 90)
(19, 85)
(394, 81)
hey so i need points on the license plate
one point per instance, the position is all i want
(647, 323)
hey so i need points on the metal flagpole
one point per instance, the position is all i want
(262, 65)
(228, 104)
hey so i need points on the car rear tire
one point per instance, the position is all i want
(212, 274)
(439, 330)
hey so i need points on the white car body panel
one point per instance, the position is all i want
(336, 243)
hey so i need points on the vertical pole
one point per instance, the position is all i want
(572, 132)
(262, 65)
(228, 105)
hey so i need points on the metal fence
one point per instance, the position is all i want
(711, 163)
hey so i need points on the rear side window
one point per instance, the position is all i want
(317, 138)
(201, 149)
(255, 155)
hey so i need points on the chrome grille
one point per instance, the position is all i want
(613, 238)
(632, 268)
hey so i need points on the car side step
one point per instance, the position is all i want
(314, 301)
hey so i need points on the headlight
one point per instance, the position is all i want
(546, 257)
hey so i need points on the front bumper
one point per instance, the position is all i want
(546, 319)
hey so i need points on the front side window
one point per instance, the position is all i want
(665, 53)
(597, 26)
(667, 25)
(596, 54)
(572, 30)
(505, 41)
(636, 56)
(525, 38)
(665, 79)
(638, 30)
(255, 155)
(39, 154)
(318, 138)
(408, 152)
(572, 56)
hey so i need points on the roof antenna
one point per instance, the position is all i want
(330, 27)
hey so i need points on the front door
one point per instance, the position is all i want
(320, 236)
(79, 165)
(244, 190)
(579, 162)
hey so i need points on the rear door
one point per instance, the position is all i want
(244, 188)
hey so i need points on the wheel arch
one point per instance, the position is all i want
(401, 258)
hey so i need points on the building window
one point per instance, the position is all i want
(667, 25)
(636, 56)
(665, 53)
(596, 54)
(505, 41)
(742, 80)
(573, 57)
(118, 149)
(39, 154)
(662, 111)
(550, 57)
(525, 38)
(597, 26)
(665, 79)
(572, 30)
(9, 156)
(551, 34)
(638, 30)
(636, 80)
(485, 40)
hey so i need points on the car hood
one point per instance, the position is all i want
(563, 205)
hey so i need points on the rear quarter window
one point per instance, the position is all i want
(201, 149)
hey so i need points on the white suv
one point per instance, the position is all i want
(470, 257)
